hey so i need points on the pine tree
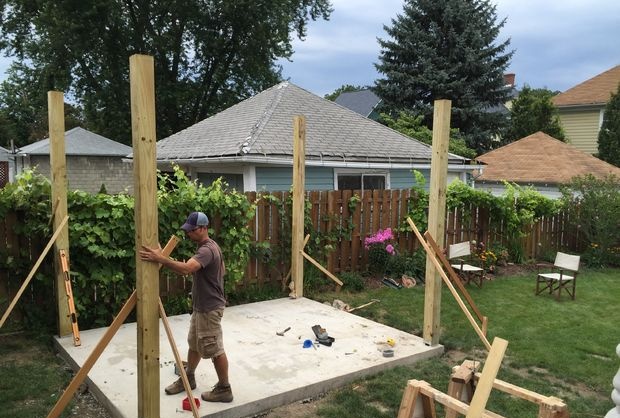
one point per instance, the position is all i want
(531, 112)
(609, 135)
(447, 49)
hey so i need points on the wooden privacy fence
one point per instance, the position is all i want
(355, 213)
(358, 214)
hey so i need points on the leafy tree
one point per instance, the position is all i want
(447, 49)
(345, 88)
(23, 109)
(609, 135)
(531, 112)
(412, 126)
(208, 54)
(593, 206)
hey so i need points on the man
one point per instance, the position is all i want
(205, 332)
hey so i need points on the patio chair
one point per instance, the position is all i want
(468, 269)
(563, 275)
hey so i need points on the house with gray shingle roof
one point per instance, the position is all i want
(581, 108)
(540, 161)
(92, 161)
(250, 144)
(365, 102)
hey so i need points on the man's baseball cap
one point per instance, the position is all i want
(194, 220)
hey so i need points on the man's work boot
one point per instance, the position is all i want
(177, 386)
(218, 394)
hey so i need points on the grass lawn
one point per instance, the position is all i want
(560, 348)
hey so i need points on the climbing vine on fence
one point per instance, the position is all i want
(102, 238)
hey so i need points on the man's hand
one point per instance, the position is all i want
(151, 254)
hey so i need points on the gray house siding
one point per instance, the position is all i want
(272, 179)
(90, 173)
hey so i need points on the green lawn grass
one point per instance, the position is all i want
(557, 348)
(560, 348)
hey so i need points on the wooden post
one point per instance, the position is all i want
(297, 233)
(436, 218)
(142, 81)
(58, 171)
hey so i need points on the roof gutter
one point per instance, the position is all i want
(318, 163)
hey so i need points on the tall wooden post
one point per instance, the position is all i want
(58, 171)
(297, 234)
(436, 217)
(142, 80)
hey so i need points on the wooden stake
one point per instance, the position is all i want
(34, 269)
(142, 83)
(323, 269)
(436, 217)
(90, 361)
(446, 280)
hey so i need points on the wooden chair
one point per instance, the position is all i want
(467, 268)
(563, 275)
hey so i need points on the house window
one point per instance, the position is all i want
(361, 181)
(235, 181)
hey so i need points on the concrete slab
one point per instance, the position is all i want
(266, 370)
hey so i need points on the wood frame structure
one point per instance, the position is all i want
(419, 397)
(297, 233)
(433, 258)
(464, 378)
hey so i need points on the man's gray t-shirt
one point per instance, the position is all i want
(208, 286)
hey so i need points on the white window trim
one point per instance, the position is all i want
(338, 171)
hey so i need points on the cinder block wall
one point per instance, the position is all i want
(89, 173)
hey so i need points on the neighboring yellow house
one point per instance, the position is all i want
(581, 109)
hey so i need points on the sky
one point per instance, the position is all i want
(558, 43)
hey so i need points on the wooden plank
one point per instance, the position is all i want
(375, 222)
(58, 171)
(323, 269)
(446, 280)
(142, 92)
(436, 218)
(333, 217)
(356, 235)
(345, 244)
(34, 270)
(485, 384)
(250, 275)
(262, 236)
(297, 233)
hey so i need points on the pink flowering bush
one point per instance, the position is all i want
(380, 247)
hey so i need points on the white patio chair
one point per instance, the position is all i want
(467, 268)
(563, 275)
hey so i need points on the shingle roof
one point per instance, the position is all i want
(595, 91)
(79, 141)
(540, 158)
(263, 126)
(362, 102)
